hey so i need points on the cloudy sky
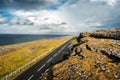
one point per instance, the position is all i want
(57, 16)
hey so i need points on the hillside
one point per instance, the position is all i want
(93, 56)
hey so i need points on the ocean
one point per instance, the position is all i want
(6, 39)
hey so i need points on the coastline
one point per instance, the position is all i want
(9, 39)
(17, 55)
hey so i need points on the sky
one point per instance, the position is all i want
(58, 16)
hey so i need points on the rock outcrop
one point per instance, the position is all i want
(108, 34)
(95, 57)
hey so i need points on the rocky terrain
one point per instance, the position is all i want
(93, 56)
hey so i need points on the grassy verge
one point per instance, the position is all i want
(13, 59)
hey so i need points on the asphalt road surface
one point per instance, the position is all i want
(34, 72)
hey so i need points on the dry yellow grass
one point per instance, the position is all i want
(95, 66)
(74, 42)
(96, 57)
(13, 59)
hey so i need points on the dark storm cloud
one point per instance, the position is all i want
(114, 22)
(79, 15)
(97, 2)
(45, 19)
(20, 21)
(52, 26)
(26, 4)
(63, 23)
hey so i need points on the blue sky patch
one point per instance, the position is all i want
(5, 12)
(55, 7)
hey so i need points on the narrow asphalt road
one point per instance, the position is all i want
(34, 72)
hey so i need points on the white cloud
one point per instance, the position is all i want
(78, 16)
(14, 21)
(20, 21)
(111, 2)
(108, 2)
(28, 4)
(3, 20)
(44, 21)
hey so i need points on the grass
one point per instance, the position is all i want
(75, 42)
(107, 70)
(95, 65)
(11, 60)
